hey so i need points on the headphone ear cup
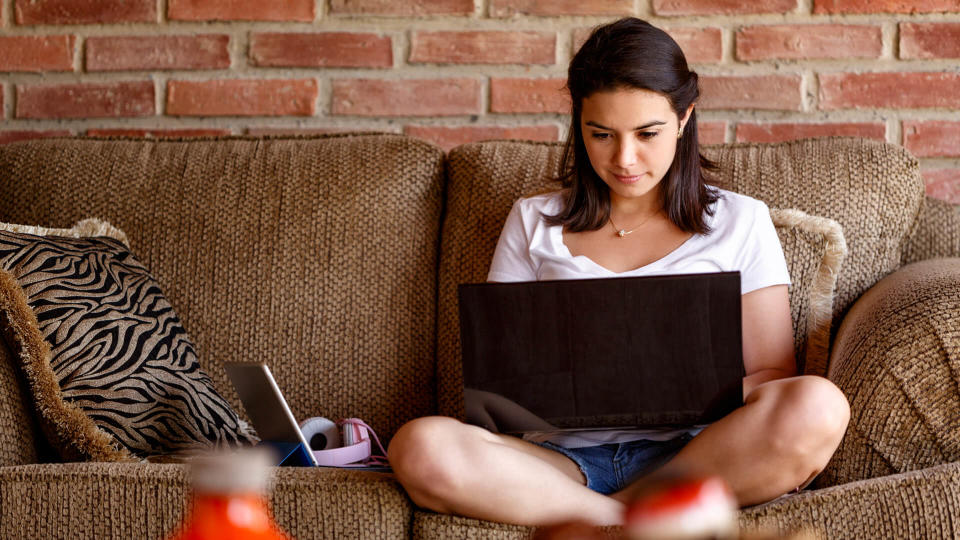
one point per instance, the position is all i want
(353, 433)
(320, 433)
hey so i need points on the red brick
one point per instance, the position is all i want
(406, 97)
(247, 97)
(776, 92)
(932, 138)
(509, 8)
(943, 184)
(22, 135)
(157, 133)
(241, 10)
(511, 95)
(893, 90)
(407, 8)
(37, 53)
(580, 35)
(711, 132)
(722, 7)
(483, 47)
(885, 6)
(84, 11)
(930, 40)
(448, 137)
(787, 131)
(158, 52)
(86, 100)
(324, 49)
(791, 41)
(699, 45)
(267, 131)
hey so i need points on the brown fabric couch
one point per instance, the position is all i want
(335, 259)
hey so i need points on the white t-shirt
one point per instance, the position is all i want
(742, 238)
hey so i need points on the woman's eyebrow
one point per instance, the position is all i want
(644, 126)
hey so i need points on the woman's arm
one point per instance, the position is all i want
(767, 337)
(511, 258)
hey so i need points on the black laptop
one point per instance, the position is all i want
(633, 352)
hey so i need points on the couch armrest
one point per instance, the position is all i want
(140, 500)
(896, 356)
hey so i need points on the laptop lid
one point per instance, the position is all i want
(265, 405)
(618, 352)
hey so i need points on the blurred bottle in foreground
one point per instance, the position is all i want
(229, 499)
(683, 509)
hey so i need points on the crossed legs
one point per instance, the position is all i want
(781, 438)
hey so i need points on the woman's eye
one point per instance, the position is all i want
(647, 134)
(600, 136)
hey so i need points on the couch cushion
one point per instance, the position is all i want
(108, 364)
(432, 526)
(19, 432)
(122, 501)
(873, 189)
(316, 255)
(485, 179)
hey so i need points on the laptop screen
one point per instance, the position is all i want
(621, 352)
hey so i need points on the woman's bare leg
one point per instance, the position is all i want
(456, 468)
(781, 438)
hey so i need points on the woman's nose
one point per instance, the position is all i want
(626, 155)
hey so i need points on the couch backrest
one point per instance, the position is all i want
(873, 189)
(937, 233)
(483, 181)
(316, 255)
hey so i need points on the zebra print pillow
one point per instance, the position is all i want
(117, 350)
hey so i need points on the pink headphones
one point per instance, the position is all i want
(355, 450)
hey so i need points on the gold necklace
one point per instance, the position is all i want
(622, 232)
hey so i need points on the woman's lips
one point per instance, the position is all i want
(631, 179)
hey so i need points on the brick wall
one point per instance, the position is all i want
(452, 71)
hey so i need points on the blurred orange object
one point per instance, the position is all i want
(685, 508)
(228, 500)
(240, 517)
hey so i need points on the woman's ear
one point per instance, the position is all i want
(686, 116)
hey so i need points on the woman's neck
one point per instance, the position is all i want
(635, 209)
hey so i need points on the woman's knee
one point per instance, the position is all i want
(418, 441)
(808, 417)
(422, 455)
(821, 407)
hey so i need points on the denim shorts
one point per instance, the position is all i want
(612, 467)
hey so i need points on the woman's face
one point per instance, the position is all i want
(631, 137)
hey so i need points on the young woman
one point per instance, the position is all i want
(635, 202)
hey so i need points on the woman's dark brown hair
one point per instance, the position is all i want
(632, 54)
